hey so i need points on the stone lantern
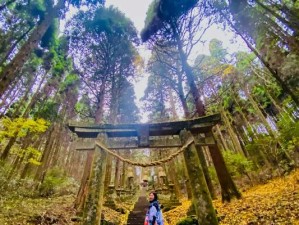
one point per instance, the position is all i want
(145, 178)
(130, 177)
(162, 175)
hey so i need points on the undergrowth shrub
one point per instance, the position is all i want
(238, 164)
(11, 186)
(57, 183)
(188, 221)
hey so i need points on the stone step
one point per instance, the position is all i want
(137, 215)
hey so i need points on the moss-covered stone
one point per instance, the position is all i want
(201, 198)
(93, 206)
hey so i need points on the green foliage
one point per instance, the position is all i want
(69, 81)
(37, 8)
(161, 11)
(188, 221)
(112, 21)
(56, 182)
(4, 176)
(49, 37)
(289, 132)
(128, 111)
(48, 111)
(217, 50)
(151, 12)
(244, 61)
(213, 174)
(265, 150)
(237, 164)
(13, 187)
(290, 70)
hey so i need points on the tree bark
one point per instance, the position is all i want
(11, 71)
(7, 148)
(81, 196)
(190, 76)
(24, 98)
(231, 133)
(203, 163)
(46, 154)
(14, 45)
(228, 187)
(274, 72)
(294, 26)
(225, 146)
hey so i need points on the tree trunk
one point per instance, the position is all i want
(24, 98)
(223, 141)
(7, 148)
(274, 72)
(100, 104)
(25, 115)
(205, 170)
(81, 196)
(35, 96)
(232, 134)
(11, 97)
(28, 165)
(12, 48)
(11, 71)
(260, 114)
(228, 187)
(46, 154)
(294, 26)
(190, 77)
(172, 105)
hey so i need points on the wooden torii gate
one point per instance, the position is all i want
(150, 135)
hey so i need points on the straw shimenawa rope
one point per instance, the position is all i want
(148, 164)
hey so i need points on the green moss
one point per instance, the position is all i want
(188, 221)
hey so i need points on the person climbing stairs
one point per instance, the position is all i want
(137, 215)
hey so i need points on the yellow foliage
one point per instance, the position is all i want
(20, 127)
(139, 63)
(228, 70)
(111, 215)
(175, 215)
(276, 202)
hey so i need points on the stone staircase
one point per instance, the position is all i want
(137, 215)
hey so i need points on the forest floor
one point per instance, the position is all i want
(273, 203)
(276, 202)
(46, 211)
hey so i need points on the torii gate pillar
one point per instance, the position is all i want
(93, 209)
(201, 198)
